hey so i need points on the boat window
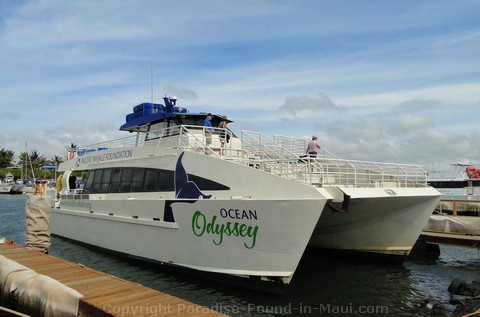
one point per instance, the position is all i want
(138, 179)
(88, 185)
(448, 184)
(105, 186)
(190, 120)
(151, 177)
(156, 130)
(126, 180)
(96, 181)
(115, 180)
(165, 181)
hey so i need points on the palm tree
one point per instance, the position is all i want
(23, 159)
(37, 160)
(6, 157)
(56, 160)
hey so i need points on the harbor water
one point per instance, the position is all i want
(324, 284)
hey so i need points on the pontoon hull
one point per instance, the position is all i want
(269, 247)
(379, 221)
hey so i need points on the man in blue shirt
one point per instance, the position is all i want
(208, 129)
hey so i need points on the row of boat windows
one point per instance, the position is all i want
(454, 184)
(126, 180)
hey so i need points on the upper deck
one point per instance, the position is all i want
(280, 155)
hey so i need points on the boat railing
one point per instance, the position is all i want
(329, 169)
(187, 137)
(133, 140)
(298, 146)
(271, 156)
(372, 174)
(280, 155)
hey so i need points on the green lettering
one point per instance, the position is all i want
(201, 226)
(228, 230)
(219, 230)
(235, 229)
(198, 223)
(243, 228)
(252, 235)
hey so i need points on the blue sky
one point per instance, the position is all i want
(389, 81)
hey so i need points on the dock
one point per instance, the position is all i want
(104, 294)
(454, 222)
(451, 239)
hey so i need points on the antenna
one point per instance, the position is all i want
(151, 80)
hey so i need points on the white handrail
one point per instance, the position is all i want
(280, 155)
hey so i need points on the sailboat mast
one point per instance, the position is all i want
(26, 162)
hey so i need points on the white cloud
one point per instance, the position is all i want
(297, 106)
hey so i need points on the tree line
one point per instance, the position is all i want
(32, 160)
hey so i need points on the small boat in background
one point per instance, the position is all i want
(7, 185)
(5, 188)
(461, 184)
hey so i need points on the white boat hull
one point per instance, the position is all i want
(376, 221)
(5, 189)
(270, 246)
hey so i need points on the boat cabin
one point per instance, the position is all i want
(150, 117)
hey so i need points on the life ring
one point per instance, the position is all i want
(472, 172)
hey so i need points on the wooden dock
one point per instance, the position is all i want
(451, 239)
(104, 294)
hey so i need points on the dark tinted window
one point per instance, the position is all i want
(151, 177)
(448, 184)
(115, 180)
(165, 181)
(105, 186)
(89, 182)
(138, 178)
(125, 180)
(97, 181)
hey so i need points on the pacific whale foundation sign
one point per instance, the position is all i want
(103, 157)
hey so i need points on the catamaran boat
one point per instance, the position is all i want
(175, 194)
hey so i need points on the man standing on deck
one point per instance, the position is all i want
(208, 129)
